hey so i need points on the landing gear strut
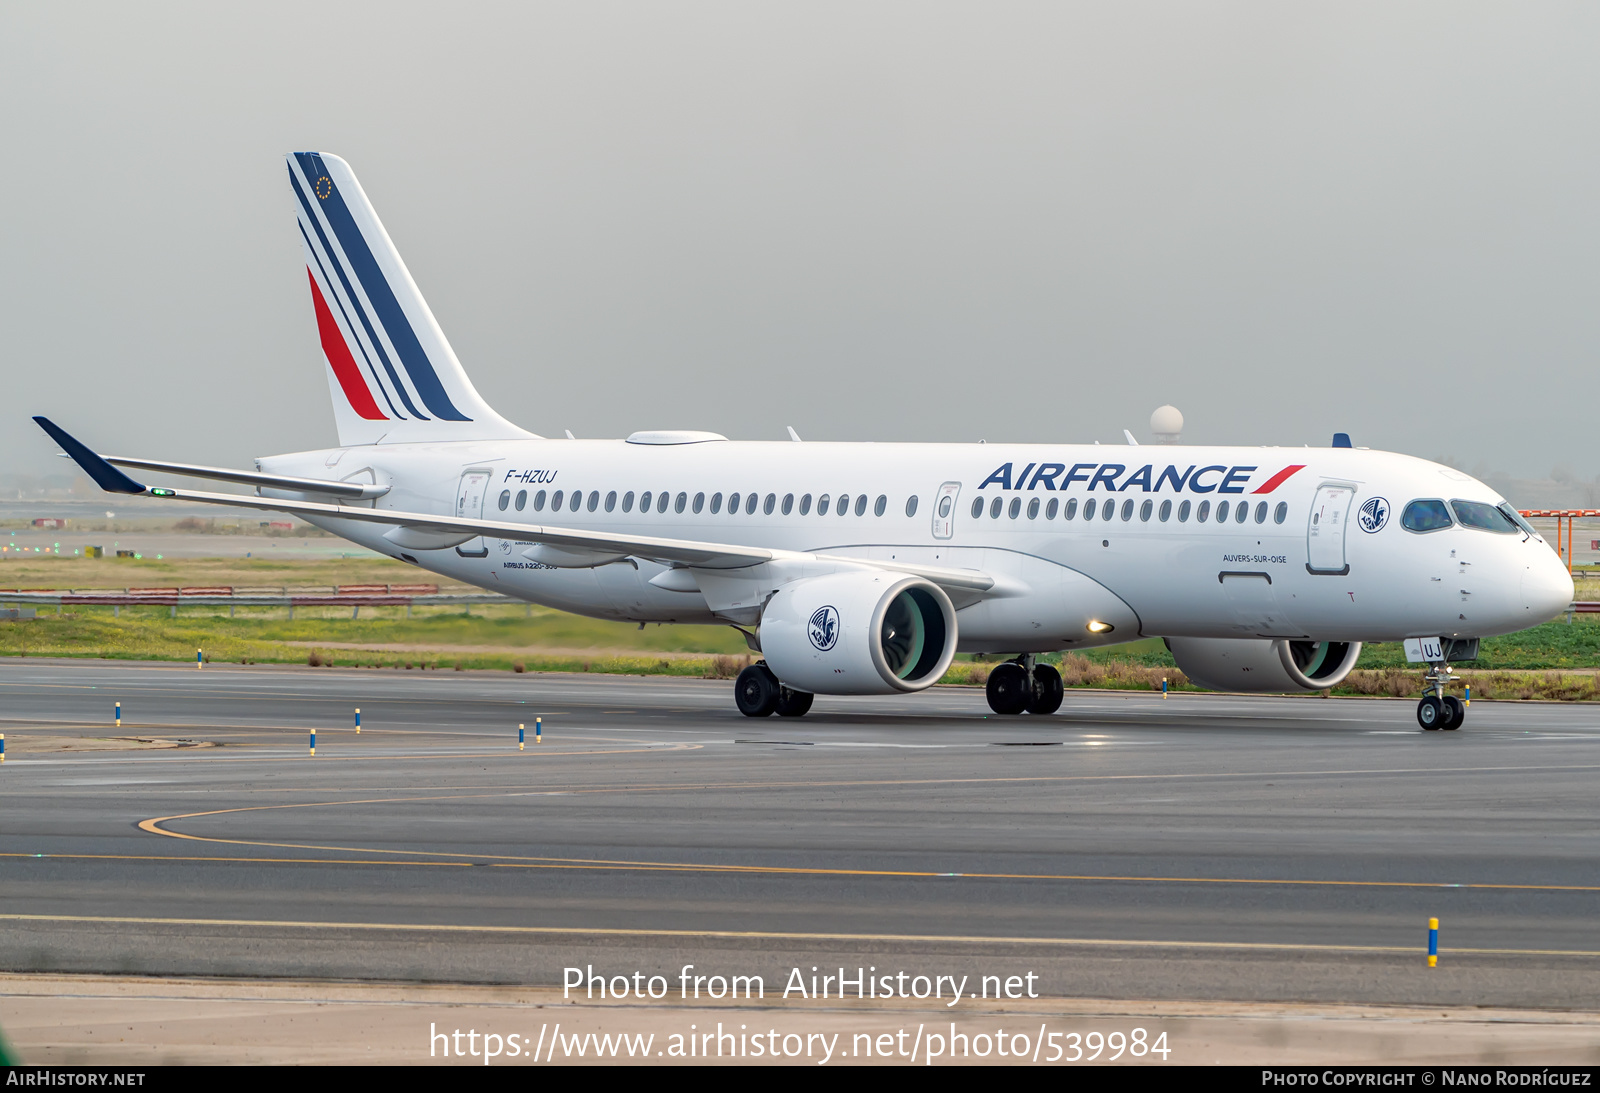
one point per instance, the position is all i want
(1439, 710)
(1023, 684)
(758, 693)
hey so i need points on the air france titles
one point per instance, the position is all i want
(1109, 476)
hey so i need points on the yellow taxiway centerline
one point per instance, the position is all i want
(776, 935)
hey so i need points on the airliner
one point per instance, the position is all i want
(864, 568)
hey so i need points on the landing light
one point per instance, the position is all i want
(1097, 627)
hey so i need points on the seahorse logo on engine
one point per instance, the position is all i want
(824, 629)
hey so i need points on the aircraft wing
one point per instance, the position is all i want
(449, 530)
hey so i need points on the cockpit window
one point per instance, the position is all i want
(1476, 514)
(1520, 522)
(1424, 516)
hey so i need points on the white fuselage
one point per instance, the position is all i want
(1149, 570)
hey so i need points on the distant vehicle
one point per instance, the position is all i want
(864, 568)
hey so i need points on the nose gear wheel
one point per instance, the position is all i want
(1439, 710)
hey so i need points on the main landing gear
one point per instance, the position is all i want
(1022, 684)
(1438, 710)
(759, 694)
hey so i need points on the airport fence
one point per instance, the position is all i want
(353, 596)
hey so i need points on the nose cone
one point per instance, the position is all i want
(1546, 588)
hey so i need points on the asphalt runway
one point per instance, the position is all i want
(1203, 846)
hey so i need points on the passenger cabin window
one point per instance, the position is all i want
(750, 503)
(627, 501)
(1033, 509)
(822, 505)
(1088, 509)
(1072, 510)
(644, 502)
(1127, 509)
(788, 504)
(1203, 511)
(1183, 512)
(522, 500)
(594, 500)
(1108, 510)
(770, 504)
(611, 501)
(577, 500)
(994, 508)
(1015, 509)
(505, 499)
(1261, 513)
(842, 506)
(716, 503)
(1425, 516)
(1166, 511)
(699, 502)
(1050, 509)
(1242, 513)
(1222, 512)
(556, 499)
(879, 505)
(911, 507)
(681, 503)
(805, 504)
(1146, 509)
(662, 499)
(733, 504)
(1476, 514)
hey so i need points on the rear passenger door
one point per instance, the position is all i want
(469, 506)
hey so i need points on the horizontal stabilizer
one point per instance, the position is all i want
(364, 491)
(103, 469)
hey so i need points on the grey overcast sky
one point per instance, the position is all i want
(872, 221)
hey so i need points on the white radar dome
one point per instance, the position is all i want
(1167, 424)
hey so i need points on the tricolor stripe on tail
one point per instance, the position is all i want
(392, 373)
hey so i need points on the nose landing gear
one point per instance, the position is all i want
(1439, 710)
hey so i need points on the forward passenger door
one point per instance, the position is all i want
(1325, 533)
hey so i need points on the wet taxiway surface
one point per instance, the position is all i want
(1201, 846)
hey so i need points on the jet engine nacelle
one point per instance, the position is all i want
(859, 633)
(1264, 664)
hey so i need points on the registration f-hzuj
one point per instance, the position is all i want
(863, 569)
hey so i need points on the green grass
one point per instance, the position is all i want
(1539, 662)
(505, 635)
(1552, 645)
(66, 571)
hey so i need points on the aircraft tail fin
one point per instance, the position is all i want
(391, 371)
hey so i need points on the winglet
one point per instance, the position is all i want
(104, 474)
